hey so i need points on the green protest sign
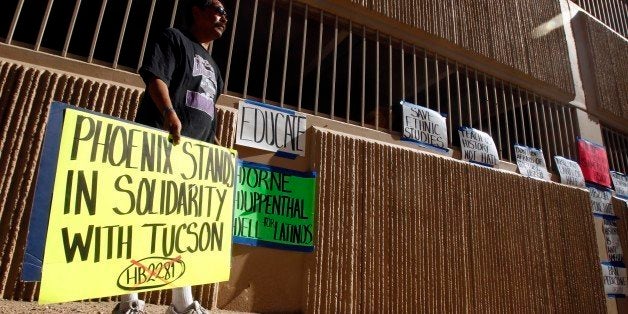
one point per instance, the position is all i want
(274, 207)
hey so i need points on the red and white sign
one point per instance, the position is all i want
(594, 163)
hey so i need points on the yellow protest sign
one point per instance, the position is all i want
(130, 212)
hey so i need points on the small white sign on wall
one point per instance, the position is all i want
(425, 127)
(601, 201)
(614, 278)
(531, 162)
(478, 147)
(271, 128)
(620, 182)
(613, 246)
(570, 172)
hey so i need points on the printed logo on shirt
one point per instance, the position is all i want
(204, 99)
(200, 101)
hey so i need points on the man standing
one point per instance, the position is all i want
(182, 85)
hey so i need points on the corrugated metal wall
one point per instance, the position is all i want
(499, 29)
(400, 231)
(397, 230)
(609, 57)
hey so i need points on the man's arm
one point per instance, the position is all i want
(158, 91)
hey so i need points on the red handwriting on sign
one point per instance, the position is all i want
(155, 272)
(594, 163)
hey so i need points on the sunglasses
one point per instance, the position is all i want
(220, 10)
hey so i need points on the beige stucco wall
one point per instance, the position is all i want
(397, 230)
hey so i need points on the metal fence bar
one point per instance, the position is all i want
(606, 141)
(377, 80)
(624, 148)
(146, 32)
(437, 79)
(488, 106)
(538, 124)
(498, 119)
(514, 114)
(403, 71)
(68, 37)
(333, 80)
(363, 99)
(390, 80)
(624, 17)
(614, 145)
(42, 27)
(122, 31)
(16, 17)
(250, 51)
(560, 132)
(318, 62)
(414, 76)
(572, 140)
(303, 57)
(101, 15)
(350, 57)
(477, 99)
(617, 143)
(469, 110)
(285, 56)
(269, 47)
(508, 148)
(450, 115)
(231, 42)
(523, 124)
(609, 137)
(174, 12)
(622, 162)
(530, 119)
(549, 108)
(427, 80)
(546, 132)
(567, 140)
(460, 122)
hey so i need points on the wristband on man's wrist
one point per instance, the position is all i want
(166, 110)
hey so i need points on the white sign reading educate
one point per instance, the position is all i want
(614, 279)
(271, 128)
(613, 246)
(424, 126)
(620, 181)
(601, 201)
(478, 147)
(531, 162)
(570, 172)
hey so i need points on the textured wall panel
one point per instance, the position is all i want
(25, 95)
(397, 231)
(609, 57)
(400, 231)
(500, 30)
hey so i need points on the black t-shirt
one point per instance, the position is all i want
(194, 84)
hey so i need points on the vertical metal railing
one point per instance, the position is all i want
(613, 13)
(616, 144)
(42, 27)
(68, 37)
(310, 68)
